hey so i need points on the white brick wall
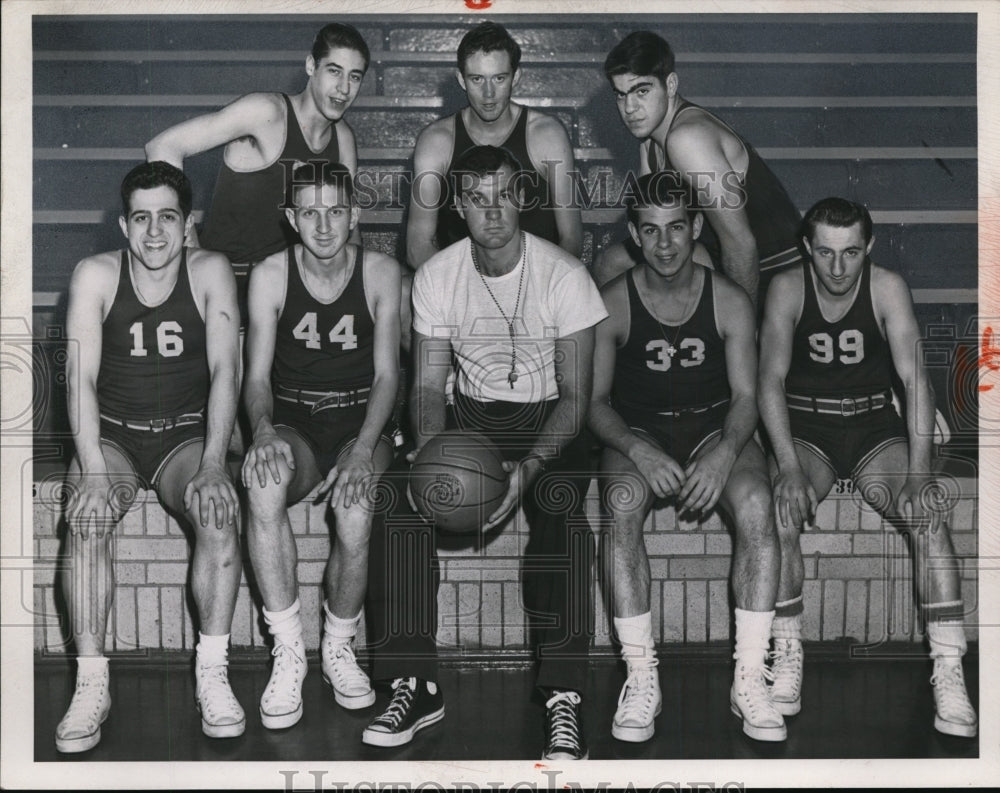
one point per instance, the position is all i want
(858, 579)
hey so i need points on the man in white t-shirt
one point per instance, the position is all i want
(516, 315)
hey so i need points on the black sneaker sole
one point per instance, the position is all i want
(382, 738)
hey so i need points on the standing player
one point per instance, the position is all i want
(488, 71)
(518, 315)
(266, 135)
(752, 224)
(320, 388)
(675, 405)
(833, 332)
(152, 375)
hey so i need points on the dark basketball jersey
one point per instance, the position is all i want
(325, 346)
(537, 217)
(246, 221)
(774, 219)
(849, 357)
(649, 379)
(153, 359)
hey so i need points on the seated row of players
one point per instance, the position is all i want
(662, 365)
(264, 143)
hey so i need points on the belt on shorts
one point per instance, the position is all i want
(848, 406)
(323, 400)
(156, 425)
(691, 411)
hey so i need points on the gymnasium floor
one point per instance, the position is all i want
(853, 708)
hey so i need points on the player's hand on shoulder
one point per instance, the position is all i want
(705, 479)
(795, 499)
(211, 497)
(92, 507)
(350, 479)
(262, 458)
(661, 471)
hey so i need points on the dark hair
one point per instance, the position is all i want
(660, 189)
(640, 53)
(837, 212)
(339, 34)
(481, 161)
(157, 174)
(488, 37)
(333, 174)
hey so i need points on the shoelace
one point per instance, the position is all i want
(949, 686)
(564, 728)
(344, 665)
(85, 708)
(786, 668)
(405, 692)
(215, 695)
(638, 698)
(756, 695)
(285, 675)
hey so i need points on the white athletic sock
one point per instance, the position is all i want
(212, 650)
(947, 639)
(90, 665)
(753, 635)
(338, 630)
(636, 637)
(286, 627)
(787, 627)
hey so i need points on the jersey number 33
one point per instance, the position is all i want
(342, 333)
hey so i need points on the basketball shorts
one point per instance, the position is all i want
(149, 451)
(680, 436)
(847, 443)
(328, 432)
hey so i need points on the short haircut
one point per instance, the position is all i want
(339, 34)
(157, 174)
(838, 212)
(333, 174)
(481, 161)
(488, 37)
(660, 189)
(640, 53)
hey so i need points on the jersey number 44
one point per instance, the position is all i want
(342, 333)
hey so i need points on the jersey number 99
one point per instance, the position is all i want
(850, 342)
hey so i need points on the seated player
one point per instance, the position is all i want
(674, 404)
(151, 376)
(752, 225)
(834, 331)
(321, 383)
(517, 316)
(488, 71)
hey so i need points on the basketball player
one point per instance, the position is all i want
(518, 314)
(834, 331)
(752, 224)
(151, 377)
(320, 388)
(266, 135)
(488, 71)
(674, 403)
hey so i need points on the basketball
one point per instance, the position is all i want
(458, 481)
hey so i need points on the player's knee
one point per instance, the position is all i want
(354, 524)
(754, 513)
(269, 496)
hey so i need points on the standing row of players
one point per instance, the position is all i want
(668, 381)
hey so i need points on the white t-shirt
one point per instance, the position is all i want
(558, 298)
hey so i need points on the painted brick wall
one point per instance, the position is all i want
(859, 580)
